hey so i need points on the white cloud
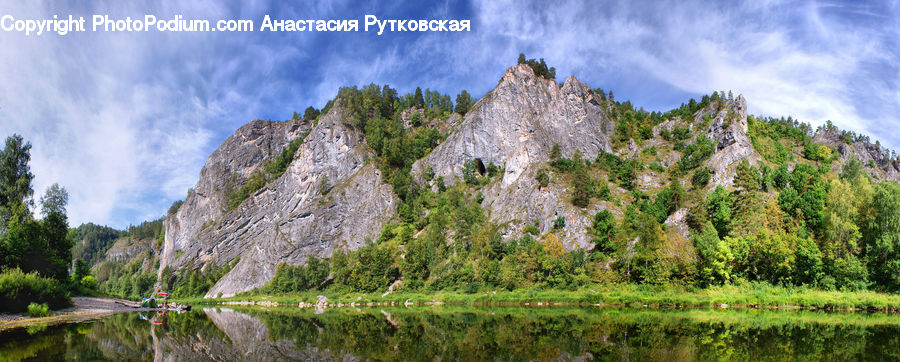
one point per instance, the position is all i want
(99, 124)
(125, 121)
(804, 59)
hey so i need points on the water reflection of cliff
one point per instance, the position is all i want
(248, 339)
(465, 333)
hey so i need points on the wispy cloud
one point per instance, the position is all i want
(813, 60)
(125, 121)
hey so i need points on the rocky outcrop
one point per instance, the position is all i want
(290, 218)
(228, 166)
(127, 250)
(728, 131)
(515, 126)
(333, 196)
(876, 159)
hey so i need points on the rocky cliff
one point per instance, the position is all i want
(728, 131)
(515, 126)
(333, 195)
(288, 219)
(129, 249)
(876, 158)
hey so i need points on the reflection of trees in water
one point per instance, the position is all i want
(123, 336)
(521, 333)
(469, 333)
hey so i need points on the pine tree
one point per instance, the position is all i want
(747, 201)
(420, 100)
(463, 102)
(309, 114)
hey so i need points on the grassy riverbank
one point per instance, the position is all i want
(750, 295)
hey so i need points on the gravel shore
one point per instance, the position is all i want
(85, 308)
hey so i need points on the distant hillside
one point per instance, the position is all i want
(92, 241)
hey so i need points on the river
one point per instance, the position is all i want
(464, 333)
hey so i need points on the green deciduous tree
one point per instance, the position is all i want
(852, 169)
(715, 256)
(604, 229)
(54, 200)
(31, 245)
(809, 267)
(881, 236)
(414, 265)
(15, 175)
(841, 233)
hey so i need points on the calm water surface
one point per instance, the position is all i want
(464, 333)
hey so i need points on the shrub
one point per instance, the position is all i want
(492, 169)
(681, 134)
(324, 187)
(696, 153)
(38, 310)
(564, 164)
(89, 282)
(603, 193)
(274, 169)
(701, 177)
(543, 178)
(559, 223)
(18, 289)
(532, 229)
(665, 134)
(293, 278)
(471, 173)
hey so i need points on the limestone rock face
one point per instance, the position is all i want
(876, 159)
(515, 126)
(728, 129)
(236, 159)
(128, 250)
(289, 218)
(333, 196)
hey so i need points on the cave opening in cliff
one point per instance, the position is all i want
(479, 165)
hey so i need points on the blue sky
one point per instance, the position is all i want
(125, 121)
